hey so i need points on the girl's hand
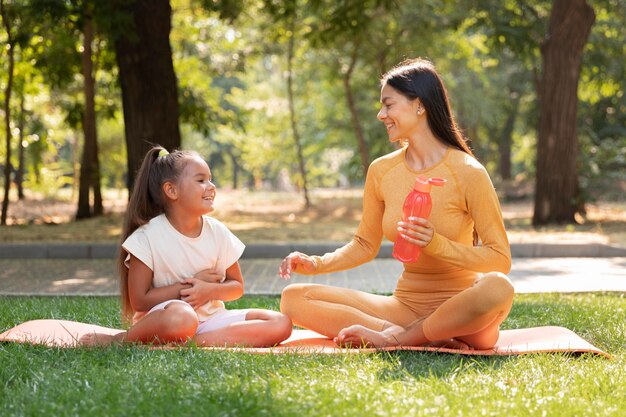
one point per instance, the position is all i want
(198, 294)
(294, 261)
(209, 275)
(417, 230)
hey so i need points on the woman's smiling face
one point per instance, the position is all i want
(398, 113)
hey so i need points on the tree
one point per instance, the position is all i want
(351, 31)
(147, 78)
(90, 165)
(9, 18)
(557, 193)
(210, 56)
(63, 21)
(292, 109)
(602, 111)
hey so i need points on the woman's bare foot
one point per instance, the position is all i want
(450, 344)
(360, 336)
(100, 339)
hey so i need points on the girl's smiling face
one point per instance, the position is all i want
(398, 113)
(196, 191)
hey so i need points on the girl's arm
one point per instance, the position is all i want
(143, 296)
(201, 291)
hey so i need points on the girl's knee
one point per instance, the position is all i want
(180, 319)
(277, 327)
(283, 325)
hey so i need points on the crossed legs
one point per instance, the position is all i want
(327, 309)
(177, 322)
(260, 328)
(472, 317)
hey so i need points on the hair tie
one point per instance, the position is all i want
(163, 153)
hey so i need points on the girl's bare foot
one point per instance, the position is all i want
(99, 339)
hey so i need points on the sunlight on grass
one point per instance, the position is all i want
(131, 380)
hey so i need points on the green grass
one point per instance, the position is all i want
(135, 381)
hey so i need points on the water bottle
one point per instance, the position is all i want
(417, 204)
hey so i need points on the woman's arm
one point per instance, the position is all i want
(199, 291)
(143, 296)
(363, 247)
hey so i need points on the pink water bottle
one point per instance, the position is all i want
(417, 204)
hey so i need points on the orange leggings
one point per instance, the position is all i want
(473, 315)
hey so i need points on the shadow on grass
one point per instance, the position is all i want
(421, 365)
(600, 318)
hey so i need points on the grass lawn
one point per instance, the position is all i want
(136, 381)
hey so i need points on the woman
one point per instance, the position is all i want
(457, 294)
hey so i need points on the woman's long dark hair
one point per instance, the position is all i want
(147, 201)
(417, 78)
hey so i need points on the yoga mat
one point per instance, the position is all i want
(63, 333)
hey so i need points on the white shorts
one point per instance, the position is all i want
(221, 318)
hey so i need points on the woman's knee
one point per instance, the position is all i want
(498, 290)
(292, 296)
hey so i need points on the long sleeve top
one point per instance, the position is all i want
(467, 202)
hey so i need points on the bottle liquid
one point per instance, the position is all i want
(417, 204)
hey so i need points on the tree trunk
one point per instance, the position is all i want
(356, 123)
(149, 91)
(235, 167)
(292, 114)
(506, 138)
(89, 167)
(7, 113)
(557, 189)
(19, 175)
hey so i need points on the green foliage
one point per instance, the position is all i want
(602, 117)
(51, 178)
(230, 61)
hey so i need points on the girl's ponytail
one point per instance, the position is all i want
(141, 208)
(146, 202)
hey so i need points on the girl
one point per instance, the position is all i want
(177, 265)
(457, 294)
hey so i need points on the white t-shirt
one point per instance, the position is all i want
(173, 257)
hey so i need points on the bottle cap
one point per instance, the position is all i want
(424, 184)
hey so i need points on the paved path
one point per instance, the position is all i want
(97, 276)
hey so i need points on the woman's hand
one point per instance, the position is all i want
(417, 230)
(198, 294)
(293, 261)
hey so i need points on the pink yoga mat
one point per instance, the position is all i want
(63, 333)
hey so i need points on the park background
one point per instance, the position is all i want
(280, 97)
